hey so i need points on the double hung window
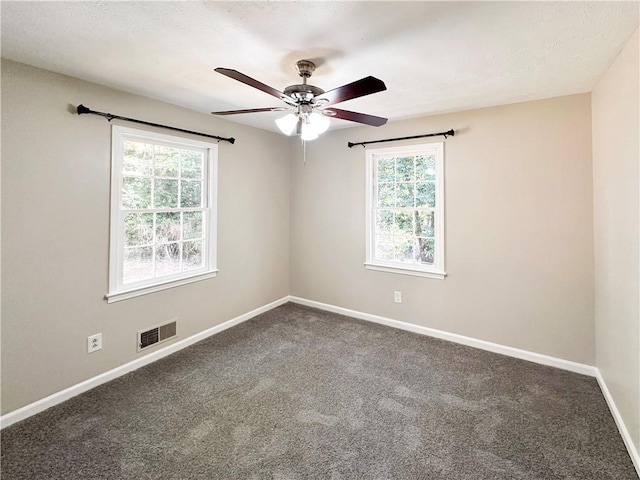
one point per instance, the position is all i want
(405, 210)
(163, 216)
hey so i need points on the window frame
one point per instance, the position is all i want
(436, 270)
(117, 289)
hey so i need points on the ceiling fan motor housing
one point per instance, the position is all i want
(303, 93)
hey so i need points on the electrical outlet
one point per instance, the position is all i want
(397, 296)
(94, 343)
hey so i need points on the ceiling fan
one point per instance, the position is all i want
(309, 105)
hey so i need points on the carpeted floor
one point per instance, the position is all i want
(298, 393)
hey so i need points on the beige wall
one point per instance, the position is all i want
(55, 230)
(518, 211)
(616, 156)
(519, 232)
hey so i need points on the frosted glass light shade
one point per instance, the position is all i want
(287, 124)
(320, 122)
(308, 132)
(313, 126)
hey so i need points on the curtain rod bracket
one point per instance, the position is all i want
(81, 109)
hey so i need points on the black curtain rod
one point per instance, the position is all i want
(450, 132)
(109, 116)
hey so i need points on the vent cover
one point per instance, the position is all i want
(155, 335)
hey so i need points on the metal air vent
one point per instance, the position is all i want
(158, 334)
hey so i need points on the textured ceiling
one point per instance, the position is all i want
(434, 57)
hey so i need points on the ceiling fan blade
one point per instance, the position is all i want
(359, 88)
(251, 110)
(241, 77)
(355, 117)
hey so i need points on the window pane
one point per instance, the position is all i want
(384, 247)
(192, 225)
(167, 161)
(425, 168)
(191, 195)
(137, 158)
(138, 229)
(137, 265)
(425, 224)
(426, 250)
(426, 194)
(192, 255)
(167, 227)
(405, 195)
(167, 259)
(136, 192)
(166, 193)
(403, 248)
(386, 195)
(386, 172)
(384, 221)
(404, 169)
(192, 164)
(404, 223)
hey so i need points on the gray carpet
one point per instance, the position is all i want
(297, 393)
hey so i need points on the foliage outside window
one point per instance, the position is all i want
(405, 211)
(162, 212)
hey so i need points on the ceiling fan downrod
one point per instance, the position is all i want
(305, 69)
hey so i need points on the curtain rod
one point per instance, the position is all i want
(450, 132)
(109, 116)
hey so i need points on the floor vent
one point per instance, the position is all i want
(155, 335)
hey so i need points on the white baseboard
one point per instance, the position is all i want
(59, 397)
(454, 337)
(622, 428)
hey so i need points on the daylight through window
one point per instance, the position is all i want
(162, 211)
(405, 211)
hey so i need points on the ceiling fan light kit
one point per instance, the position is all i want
(287, 124)
(307, 104)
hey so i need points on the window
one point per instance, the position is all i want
(163, 215)
(405, 211)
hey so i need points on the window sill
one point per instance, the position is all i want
(405, 271)
(138, 291)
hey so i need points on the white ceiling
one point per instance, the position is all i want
(434, 57)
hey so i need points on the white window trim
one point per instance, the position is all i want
(436, 271)
(118, 291)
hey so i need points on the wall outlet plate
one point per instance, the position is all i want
(397, 296)
(94, 343)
